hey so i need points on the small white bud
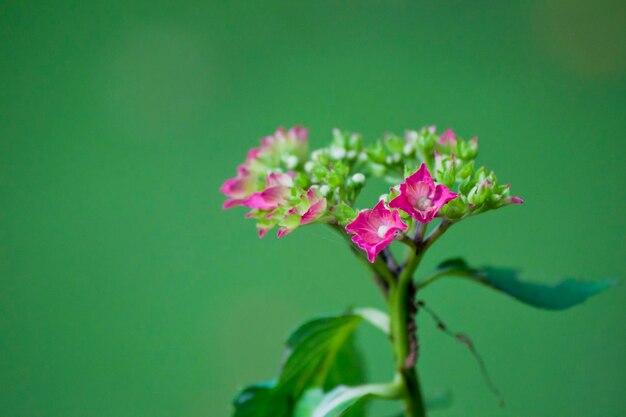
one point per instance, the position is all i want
(291, 161)
(315, 154)
(411, 135)
(408, 149)
(362, 157)
(351, 154)
(396, 157)
(337, 153)
(325, 190)
(308, 166)
(388, 160)
(358, 178)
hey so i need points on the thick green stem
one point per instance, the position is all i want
(401, 299)
(401, 305)
(399, 290)
(413, 400)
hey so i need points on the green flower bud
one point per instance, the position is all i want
(465, 170)
(466, 185)
(302, 180)
(394, 144)
(376, 153)
(479, 193)
(333, 179)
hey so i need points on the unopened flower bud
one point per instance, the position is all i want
(358, 178)
(351, 154)
(337, 152)
(325, 190)
(308, 166)
(291, 161)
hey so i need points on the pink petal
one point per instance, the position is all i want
(366, 228)
(299, 132)
(315, 211)
(448, 138)
(421, 175)
(231, 203)
(283, 231)
(268, 199)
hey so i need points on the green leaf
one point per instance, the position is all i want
(561, 296)
(348, 366)
(262, 400)
(313, 348)
(321, 354)
(340, 402)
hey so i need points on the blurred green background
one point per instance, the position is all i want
(125, 290)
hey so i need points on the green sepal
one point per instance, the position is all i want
(344, 213)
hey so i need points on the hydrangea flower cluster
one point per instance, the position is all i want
(433, 175)
(434, 181)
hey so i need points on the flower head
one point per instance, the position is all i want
(375, 229)
(420, 198)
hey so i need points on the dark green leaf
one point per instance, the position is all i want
(321, 353)
(313, 348)
(348, 368)
(262, 400)
(561, 296)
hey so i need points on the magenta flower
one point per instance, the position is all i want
(238, 188)
(375, 229)
(275, 193)
(420, 198)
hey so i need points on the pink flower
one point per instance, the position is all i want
(238, 188)
(447, 138)
(275, 193)
(312, 208)
(514, 200)
(375, 229)
(419, 196)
